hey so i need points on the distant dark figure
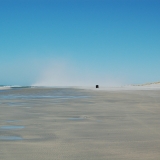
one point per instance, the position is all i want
(97, 86)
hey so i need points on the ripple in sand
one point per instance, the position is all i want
(12, 121)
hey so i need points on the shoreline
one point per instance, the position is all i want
(101, 88)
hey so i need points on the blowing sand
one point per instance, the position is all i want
(77, 124)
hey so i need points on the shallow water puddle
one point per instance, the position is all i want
(11, 127)
(39, 97)
(14, 104)
(11, 138)
(76, 118)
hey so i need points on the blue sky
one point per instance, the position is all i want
(79, 42)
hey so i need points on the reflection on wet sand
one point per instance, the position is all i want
(69, 124)
(11, 127)
(10, 138)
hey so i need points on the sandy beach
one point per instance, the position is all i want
(79, 124)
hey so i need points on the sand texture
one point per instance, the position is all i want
(77, 124)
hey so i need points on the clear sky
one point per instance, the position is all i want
(79, 42)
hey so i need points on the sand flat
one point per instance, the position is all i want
(69, 124)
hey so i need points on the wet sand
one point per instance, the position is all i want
(77, 124)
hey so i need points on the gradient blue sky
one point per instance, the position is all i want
(79, 42)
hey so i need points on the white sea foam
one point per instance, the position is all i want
(5, 87)
(13, 86)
